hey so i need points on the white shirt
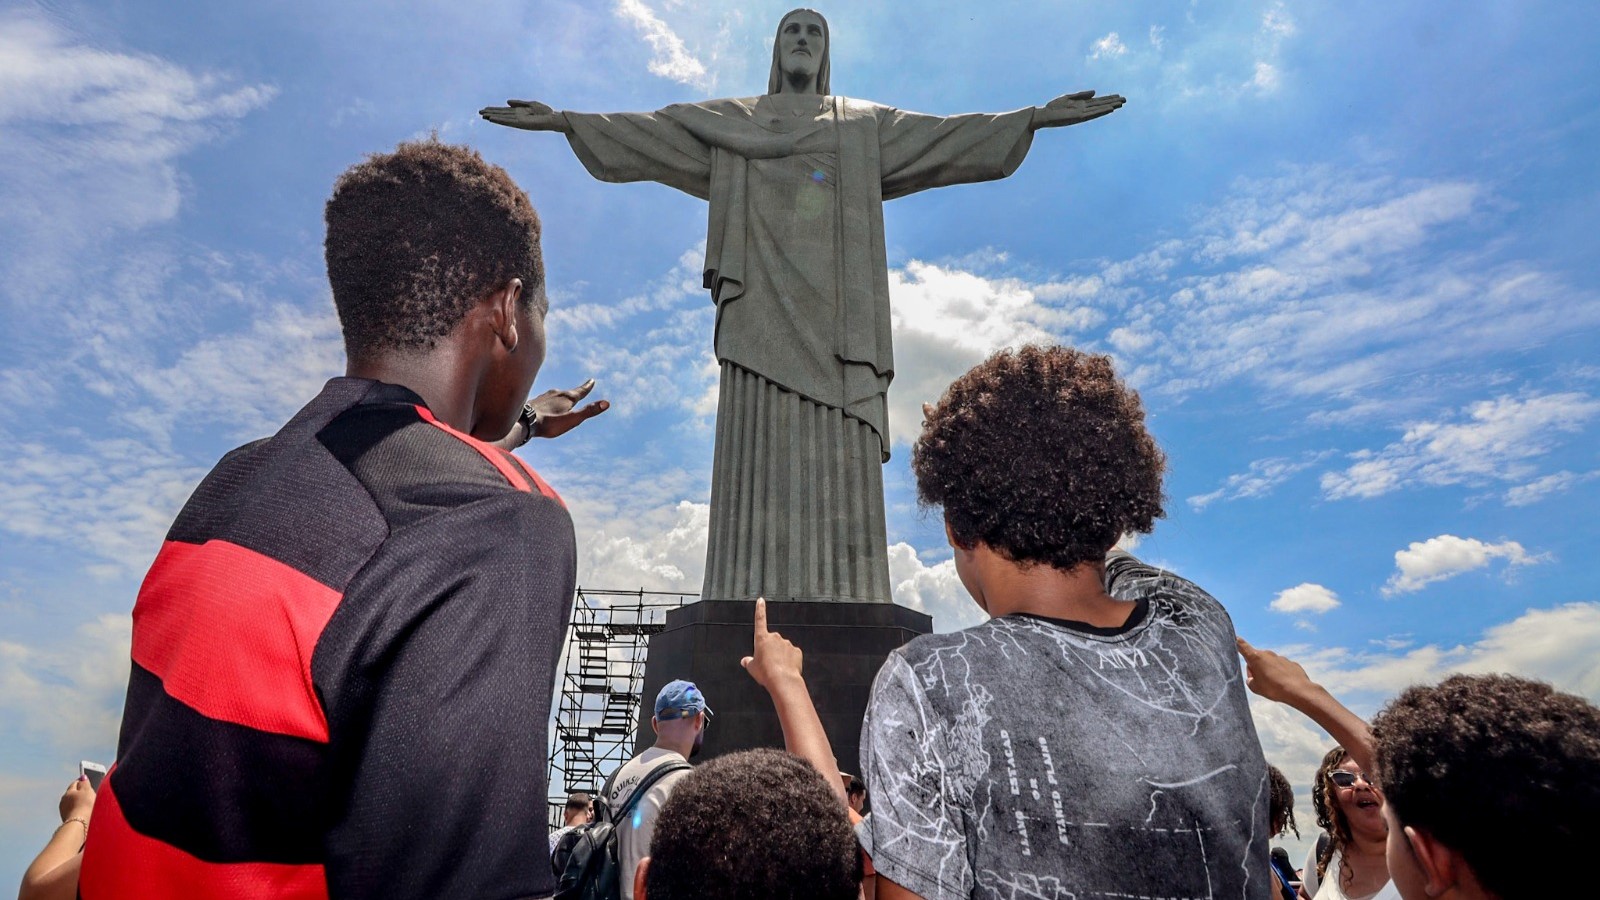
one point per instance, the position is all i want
(1330, 889)
(633, 835)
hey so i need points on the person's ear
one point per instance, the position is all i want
(655, 724)
(503, 313)
(638, 878)
(1437, 862)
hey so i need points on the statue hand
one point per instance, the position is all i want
(1070, 109)
(527, 114)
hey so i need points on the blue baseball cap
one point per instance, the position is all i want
(680, 699)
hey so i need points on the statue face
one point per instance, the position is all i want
(801, 44)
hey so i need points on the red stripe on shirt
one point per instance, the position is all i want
(496, 457)
(120, 862)
(538, 482)
(230, 633)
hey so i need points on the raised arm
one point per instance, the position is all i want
(775, 665)
(1070, 109)
(529, 115)
(1279, 678)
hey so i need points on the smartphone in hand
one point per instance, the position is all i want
(94, 771)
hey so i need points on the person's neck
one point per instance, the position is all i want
(1077, 594)
(683, 747)
(446, 385)
(1367, 845)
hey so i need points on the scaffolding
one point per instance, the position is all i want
(597, 709)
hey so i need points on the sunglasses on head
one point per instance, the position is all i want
(1348, 779)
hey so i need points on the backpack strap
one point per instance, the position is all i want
(645, 784)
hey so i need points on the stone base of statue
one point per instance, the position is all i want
(844, 645)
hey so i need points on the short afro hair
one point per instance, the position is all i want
(753, 825)
(1501, 769)
(1041, 454)
(417, 236)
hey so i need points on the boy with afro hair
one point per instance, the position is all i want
(1093, 738)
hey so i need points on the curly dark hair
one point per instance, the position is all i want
(1280, 803)
(417, 236)
(753, 825)
(1041, 454)
(1501, 769)
(1330, 817)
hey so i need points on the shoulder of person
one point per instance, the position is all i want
(1129, 578)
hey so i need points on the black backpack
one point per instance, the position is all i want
(593, 871)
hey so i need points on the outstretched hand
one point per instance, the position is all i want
(526, 114)
(559, 412)
(1070, 109)
(775, 659)
(1273, 676)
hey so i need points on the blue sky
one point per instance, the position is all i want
(1346, 252)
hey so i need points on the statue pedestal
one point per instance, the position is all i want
(844, 645)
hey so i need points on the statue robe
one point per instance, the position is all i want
(796, 265)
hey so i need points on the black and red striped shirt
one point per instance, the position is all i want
(343, 661)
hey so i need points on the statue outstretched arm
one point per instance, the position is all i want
(530, 115)
(1070, 109)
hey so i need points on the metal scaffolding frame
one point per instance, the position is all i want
(597, 709)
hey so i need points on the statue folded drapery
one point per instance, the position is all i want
(796, 265)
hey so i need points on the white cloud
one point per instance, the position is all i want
(249, 381)
(89, 139)
(1493, 441)
(1540, 488)
(1305, 598)
(662, 549)
(1261, 479)
(935, 590)
(113, 498)
(1157, 37)
(1319, 283)
(947, 320)
(68, 692)
(1446, 556)
(672, 59)
(1110, 46)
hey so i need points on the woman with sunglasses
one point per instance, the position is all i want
(1350, 865)
(1349, 807)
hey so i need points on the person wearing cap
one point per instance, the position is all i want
(680, 726)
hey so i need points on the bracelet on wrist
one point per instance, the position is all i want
(80, 820)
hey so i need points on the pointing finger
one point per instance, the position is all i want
(761, 616)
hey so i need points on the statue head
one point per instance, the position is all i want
(801, 46)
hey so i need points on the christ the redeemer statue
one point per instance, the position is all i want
(796, 266)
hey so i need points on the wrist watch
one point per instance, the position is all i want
(529, 420)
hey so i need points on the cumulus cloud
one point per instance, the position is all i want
(1492, 440)
(947, 320)
(671, 59)
(935, 590)
(1305, 598)
(1446, 556)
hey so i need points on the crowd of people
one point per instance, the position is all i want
(342, 659)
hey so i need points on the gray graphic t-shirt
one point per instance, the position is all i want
(1028, 757)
